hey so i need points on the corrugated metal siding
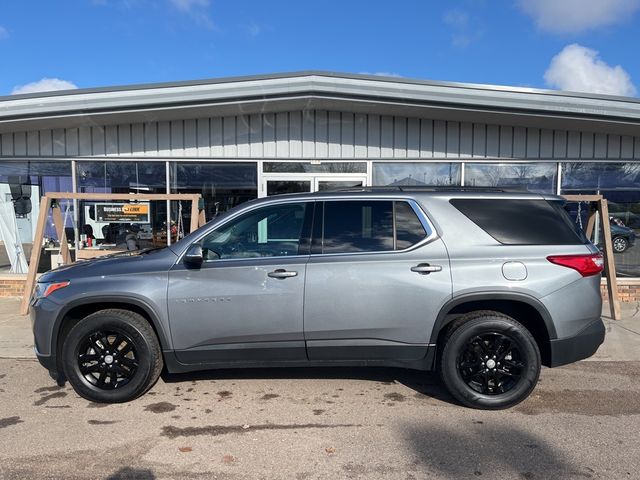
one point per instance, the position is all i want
(318, 134)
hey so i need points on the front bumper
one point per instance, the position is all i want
(579, 346)
(43, 314)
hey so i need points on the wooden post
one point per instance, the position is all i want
(610, 267)
(62, 235)
(194, 213)
(45, 204)
(590, 224)
(36, 249)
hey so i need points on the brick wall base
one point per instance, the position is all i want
(628, 291)
(12, 287)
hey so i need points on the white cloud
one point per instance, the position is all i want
(463, 32)
(580, 69)
(44, 85)
(197, 9)
(4, 33)
(575, 16)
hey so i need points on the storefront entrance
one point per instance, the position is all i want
(286, 183)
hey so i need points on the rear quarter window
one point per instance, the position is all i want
(522, 222)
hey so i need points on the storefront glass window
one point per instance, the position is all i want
(119, 224)
(533, 177)
(416, 174)
(619, 183)
(22, 183)
(222, 185)
(308, 167)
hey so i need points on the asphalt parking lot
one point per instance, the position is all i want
(582, 421)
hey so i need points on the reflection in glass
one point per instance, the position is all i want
(122, 177)
(223, 185)
(22, 183)
(327, 185)
(308, 167)
(279, 187)
(619, 183)
(533, 177)
(416, 174)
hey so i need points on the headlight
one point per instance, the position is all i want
(43, 290)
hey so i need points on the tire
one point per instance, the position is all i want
(121, 356)
(474, 376)
(620, 244)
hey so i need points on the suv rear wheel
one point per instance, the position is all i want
(112, 356)
(489, 361)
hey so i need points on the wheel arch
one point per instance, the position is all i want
(75, 311)
(522, 307)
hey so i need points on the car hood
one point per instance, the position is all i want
(117, 264)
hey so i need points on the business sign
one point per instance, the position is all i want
(122, 212)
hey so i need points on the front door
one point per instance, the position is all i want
(376, 280)
(244, 304)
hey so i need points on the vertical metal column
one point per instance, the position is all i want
(168, 190)
(76, 213)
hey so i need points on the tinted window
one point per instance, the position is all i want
(358, 226)
(522, 222)
(409, 229)
(272, 231)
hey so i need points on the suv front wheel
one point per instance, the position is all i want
(111, 356)
(488, 360)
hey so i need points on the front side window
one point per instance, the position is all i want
(369, 226)
(272, 231)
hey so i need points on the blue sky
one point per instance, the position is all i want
(90, 43)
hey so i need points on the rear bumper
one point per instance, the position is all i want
(579, 346)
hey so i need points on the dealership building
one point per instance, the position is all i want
(235, 139)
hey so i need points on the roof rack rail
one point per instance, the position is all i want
(426, 188)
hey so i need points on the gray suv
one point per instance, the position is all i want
(483, 286)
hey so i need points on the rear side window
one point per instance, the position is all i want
(522, 222)
(353, 226)
(409, 229)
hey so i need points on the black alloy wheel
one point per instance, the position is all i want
(491, 363)
(488, 360)
(111, 356)
(107, 359)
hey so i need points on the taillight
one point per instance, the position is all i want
(586, 265)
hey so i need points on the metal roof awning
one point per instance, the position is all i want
(323, 91)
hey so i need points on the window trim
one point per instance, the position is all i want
(417, 209)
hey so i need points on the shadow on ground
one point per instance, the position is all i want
(423, 383)
(128, 473)
(490, 451)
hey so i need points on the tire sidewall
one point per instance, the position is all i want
(103, 321)
(457, 342)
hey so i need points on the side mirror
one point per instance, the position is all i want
(194, 256)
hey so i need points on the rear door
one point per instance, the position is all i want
(376, 280)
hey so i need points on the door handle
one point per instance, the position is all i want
(282, 274)
(425, 268)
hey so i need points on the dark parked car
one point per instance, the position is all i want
(622, 237)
